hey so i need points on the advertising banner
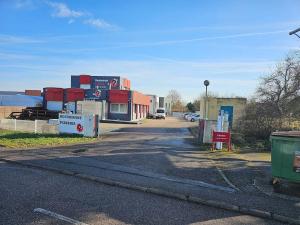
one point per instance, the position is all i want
(105, 82)
(71, 124)
(86, 125)
(96, 94)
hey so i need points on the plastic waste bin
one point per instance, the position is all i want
(286, 156)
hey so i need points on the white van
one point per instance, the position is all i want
(160, 113)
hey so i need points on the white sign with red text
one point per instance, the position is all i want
(71, 123)
(86, 125)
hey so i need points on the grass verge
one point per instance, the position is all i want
(16, 139)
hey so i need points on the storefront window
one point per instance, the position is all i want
(118, 108)
(123, 108)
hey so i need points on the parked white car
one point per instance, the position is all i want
(160, 113)
(188, 117)
(194, 118)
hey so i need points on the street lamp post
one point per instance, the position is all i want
(295, 32)
(206, 83)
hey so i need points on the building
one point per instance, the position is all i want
(168, 106)
(14, 101)
(12, 93)
(154, 104)
(119, 102)
(33, 92)
(234, 107)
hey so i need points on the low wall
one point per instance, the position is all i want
(5, 111)
(37, 126)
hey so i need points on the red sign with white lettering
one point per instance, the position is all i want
(224, 137)
(221, 136)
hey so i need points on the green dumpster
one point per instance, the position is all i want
(286, 155)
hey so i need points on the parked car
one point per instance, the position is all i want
(185, 114)
(194, 118)
(188, 117)
(160, 113)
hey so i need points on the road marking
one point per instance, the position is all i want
(227, 180)
(58, 216)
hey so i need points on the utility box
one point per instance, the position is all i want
(286, 155)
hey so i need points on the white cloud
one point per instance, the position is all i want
(14, 56)
(63, 11)
(98, 23)
(182, 41)
(9, 39)
(23, 4)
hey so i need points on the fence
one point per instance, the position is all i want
(37, 126)
(5, 111)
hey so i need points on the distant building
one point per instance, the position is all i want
(118, 100)
(168, 106)
(12, 93)
(33, 92)
(154, 104)
(234, 107)
(161, 102)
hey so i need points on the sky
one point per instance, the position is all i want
(158, 45)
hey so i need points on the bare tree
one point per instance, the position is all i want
(174, 97)
(278, 101)
(282, 86)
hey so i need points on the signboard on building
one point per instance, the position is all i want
(86, 125)
(96, 94)
(105, 82)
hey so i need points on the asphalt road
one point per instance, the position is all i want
(22, 190)
(156, 154)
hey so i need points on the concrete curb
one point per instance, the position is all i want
(212, 203)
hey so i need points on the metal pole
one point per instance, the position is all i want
(205, 102)
(206, 83)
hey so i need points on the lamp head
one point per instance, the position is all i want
(206, 83)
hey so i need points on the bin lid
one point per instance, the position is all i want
(286, 133)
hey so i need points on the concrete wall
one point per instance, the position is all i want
(5, 111)
(213, 106)
(91, 107)
(37, 126)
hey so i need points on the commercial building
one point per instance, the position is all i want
(234, 107)
(112, 93)
(118, 101)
